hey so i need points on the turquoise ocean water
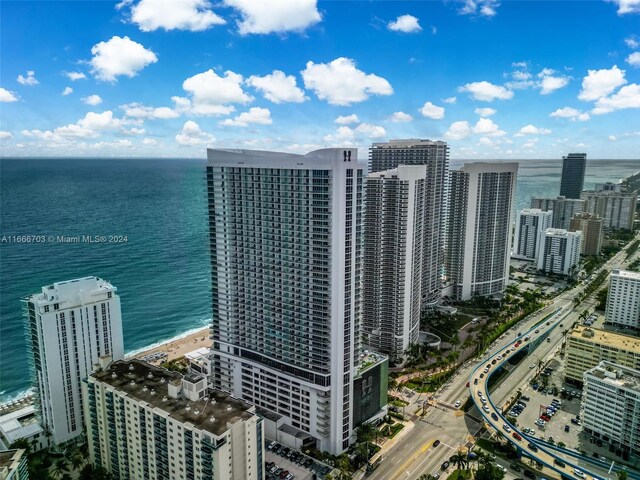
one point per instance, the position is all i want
(162, 271)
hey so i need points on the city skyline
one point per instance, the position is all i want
(137, 81)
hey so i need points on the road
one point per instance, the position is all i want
(415, 455)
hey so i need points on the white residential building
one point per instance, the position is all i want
(564, 209)
(623, 299)
(608, 187)
(70, 326)
(531, 224)
(481, 202)
(560, 251)
(286, 256)
(23, 424)
(147, 422)
(434, 156)
(611, 406)
(618, 210)
(393, 258)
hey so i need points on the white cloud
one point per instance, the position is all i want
(485, 112)
(133, 131)
(627, 97)
(405, 23)
(100, 121)
(192, 135)
(193, 15)
(627, 6)
(371, 131)
(342, 133)
(211, 94)
(341, 83)
(613, 138)
(486, 92)
(119, 56)
(486, 8)
(530, 144)
(347, 119)
(632, 41)
(149, 141)
(5, 135)
(67, 91)
(92, 100)
(547, 80)
(7, 96)
(255, 115)
(275, 15)
(572, 113)
(400, 117)
(449, 100)
(549, 83)
(137, 110)
(278, 87)
(633, 59)
(486, 126)
(600, 83)
(29, 80)
(458, 130)
(73, 76)
(532, 130)
(430, 110)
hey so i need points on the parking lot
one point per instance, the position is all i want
(284, 463)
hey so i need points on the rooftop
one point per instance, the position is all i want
(610, 339)
(617, 375)
(408, 142)
(10, 459)
(19, 424)
(626, 274)
(369, 359)
(323, 158)
(72, 292)
(147, 383)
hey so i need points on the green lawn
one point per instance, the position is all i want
(460, 475)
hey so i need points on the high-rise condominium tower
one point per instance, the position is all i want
(559, 251)
(572, 181)
(530, 226)
(591, 227)
(285, 235)
(393, 236)
(479, 228)
(563, 209)
(435, 157)
(623, 300)
(70, 326)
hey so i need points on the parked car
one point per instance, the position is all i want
(444, 466)
(436, 443)
(515, 467)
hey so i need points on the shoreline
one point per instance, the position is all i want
(175, 347)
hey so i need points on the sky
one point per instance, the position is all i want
(148, 78)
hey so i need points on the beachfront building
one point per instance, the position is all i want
(564, 209)
(559, 251)
(286, 256)
(587, 347)
(434, 157)
(479, 228)
(148, 422)
(21, 423)
(572, 179)
(617, 209)
(591, 227)
(13, 465)
(623, 299)
(531, 224)
(608, 187)
(71, 326)
(611, 406)
(392, 280)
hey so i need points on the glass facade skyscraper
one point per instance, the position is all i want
(572, 181)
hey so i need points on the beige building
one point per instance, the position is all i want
(587, 347)
(148, 422)
(591, 227)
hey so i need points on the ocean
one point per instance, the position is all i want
(162, 270)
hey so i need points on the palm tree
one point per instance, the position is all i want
(459, 461)
(60, 468)
(77, 458)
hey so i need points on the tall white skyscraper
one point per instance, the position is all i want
(623, 299)
(393, 235)
(434, 155)
(70, 326)
(530, 226)
(481, 200)
(286, 247)
(560, 251)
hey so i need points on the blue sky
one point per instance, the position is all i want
(510, 79)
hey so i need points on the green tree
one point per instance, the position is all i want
(23, 444)
(489, 471)
(459, 461)
(623, 475)
(60, 468)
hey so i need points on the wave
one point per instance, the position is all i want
(12, 397)
(205, 326)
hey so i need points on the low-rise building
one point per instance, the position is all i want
(559, 251)
(623, 299)
(587, 347)
(611, 406)
(148, 422)
(13, 465)
(591, 227)
(23, 424)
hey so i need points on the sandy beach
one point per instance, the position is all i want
(176, 348)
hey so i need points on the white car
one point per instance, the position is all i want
(579, 473)
(532, 432)
(485, 408)
(506, 428)
(457, 404)
(501, 468)
(532, 365)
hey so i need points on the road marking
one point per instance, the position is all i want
(413, 458)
